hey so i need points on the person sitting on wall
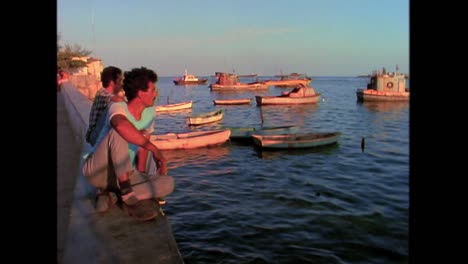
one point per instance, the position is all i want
(62, 76)
(123, 144)
(112, 81)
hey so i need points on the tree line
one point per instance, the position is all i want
(67, 52)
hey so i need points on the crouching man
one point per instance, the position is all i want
(117, 161)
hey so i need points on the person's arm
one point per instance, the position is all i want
(132, 135)
(142, 155)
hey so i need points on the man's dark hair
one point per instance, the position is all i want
(109, 74)
(138, 79)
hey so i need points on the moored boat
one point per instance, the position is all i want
(385, 86)
(173, 107)
(190, 140)
(230, 82)
(245, 133)
(205, 118)
(289, 80)
(188, 79)
(295, 141)
(239, 101)
(299, 95)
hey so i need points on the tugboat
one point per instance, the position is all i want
(385, 86)
(230, 82)
(188, 79)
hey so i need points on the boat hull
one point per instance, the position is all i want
(205, 118)
(237, 87)
(373, 95)
(245, 133)
(190, 140)
(182, 82)
(296, 141)
(173, 107)
(284, 100)
(233, 101)
(287, 83)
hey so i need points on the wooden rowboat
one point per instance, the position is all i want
(190, 140)
(245, 133)
(233, 101)
(294, 141)
(205, 118)
(300, 95)
(283, 100)
(173, 107)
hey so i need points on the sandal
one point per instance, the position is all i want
(143, 210)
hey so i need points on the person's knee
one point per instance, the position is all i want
(167, 185)
(94, 176)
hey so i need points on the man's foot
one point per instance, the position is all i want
(143, 210)
(104, 201)
(129, 198)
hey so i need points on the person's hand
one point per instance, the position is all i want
(162, 168)
(161, 164)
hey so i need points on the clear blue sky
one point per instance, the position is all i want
(315, 37)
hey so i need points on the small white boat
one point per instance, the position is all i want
(173, 107)
(295, 141)
(190, 79)
(205, 118)
(190, 140)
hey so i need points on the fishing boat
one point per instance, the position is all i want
(385, 86)
(245, 133)
(299, 95)
(189, 79)
(190, 140)
(173, 107)
(295, 141)
(205, 118)
(230, 82)
(239, 101)
(289, 80)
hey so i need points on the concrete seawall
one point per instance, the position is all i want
(85, 236)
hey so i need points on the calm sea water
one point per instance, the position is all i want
(237, 204)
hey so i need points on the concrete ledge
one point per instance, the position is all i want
(112, 237)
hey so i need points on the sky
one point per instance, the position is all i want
(314, 37)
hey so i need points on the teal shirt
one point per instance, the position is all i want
(146, 122)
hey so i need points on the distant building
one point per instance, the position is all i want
(94, 66)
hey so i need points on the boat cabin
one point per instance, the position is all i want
(226, 78)
(300, 91)
(387, 82)
(190, 77)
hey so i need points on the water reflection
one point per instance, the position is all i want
(273, 154)
(292, 114)
(384, 106)
(191, 157)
